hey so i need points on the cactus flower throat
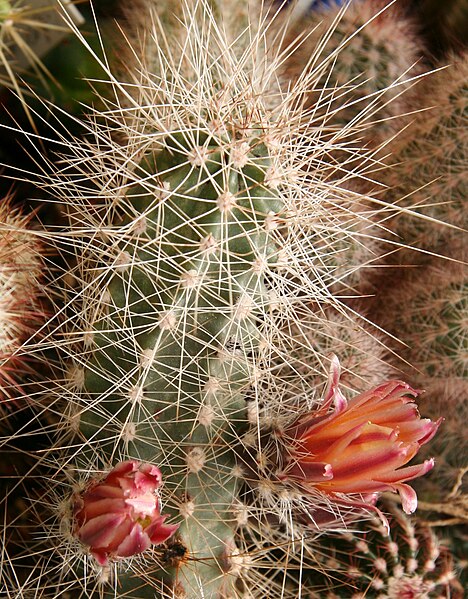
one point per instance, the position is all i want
(120, 516)
(363, 445)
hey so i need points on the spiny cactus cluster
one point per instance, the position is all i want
(21, 308)
(189, 431)
(408, 562)
(364, 55)
(430, 178)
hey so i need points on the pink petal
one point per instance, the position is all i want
(143, 505)
(408, 473)
(100, 531)
(369, 463)
(102, 557)
(431, 429)
(159, 532)
(351, 485)
(333, 393)
(342, 443)
(92, 509)
(152, 473)
(409, 499)
(104, 490)
(135, 542)
(310, 471)
(122, 469)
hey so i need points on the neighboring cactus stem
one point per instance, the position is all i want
(20, 308)
(432, 324)
(361, 57)
(409, 562)
(429, 171)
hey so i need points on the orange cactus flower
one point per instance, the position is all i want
(363, 445)
(120, 516)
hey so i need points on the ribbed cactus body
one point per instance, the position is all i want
(198, 237)
(408, 562)
(447, 486)
(427, 312)
(170, 351)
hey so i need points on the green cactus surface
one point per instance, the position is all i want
(163, 362)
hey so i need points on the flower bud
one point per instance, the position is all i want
(120, 516)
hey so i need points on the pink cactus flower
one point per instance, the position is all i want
(361, 445)
(120, 516)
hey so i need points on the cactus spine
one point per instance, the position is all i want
(362, 56)
(435, 195)
(180, 392)
(408, 562)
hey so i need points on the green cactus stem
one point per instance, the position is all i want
(164, 375)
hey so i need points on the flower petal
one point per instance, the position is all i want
(135, 542)
(409, 499)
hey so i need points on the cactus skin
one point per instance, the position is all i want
(410, 562)
(21, 311)
(364, 63)
(172, 297)
(433, 323)
(445, 491)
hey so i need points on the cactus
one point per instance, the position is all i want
(364, 358)
(433, 324)
(178, 263)
(21, 310)
(429, 174)
(361, 57)
(203, 231)
(445, 490)
(408, 562)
